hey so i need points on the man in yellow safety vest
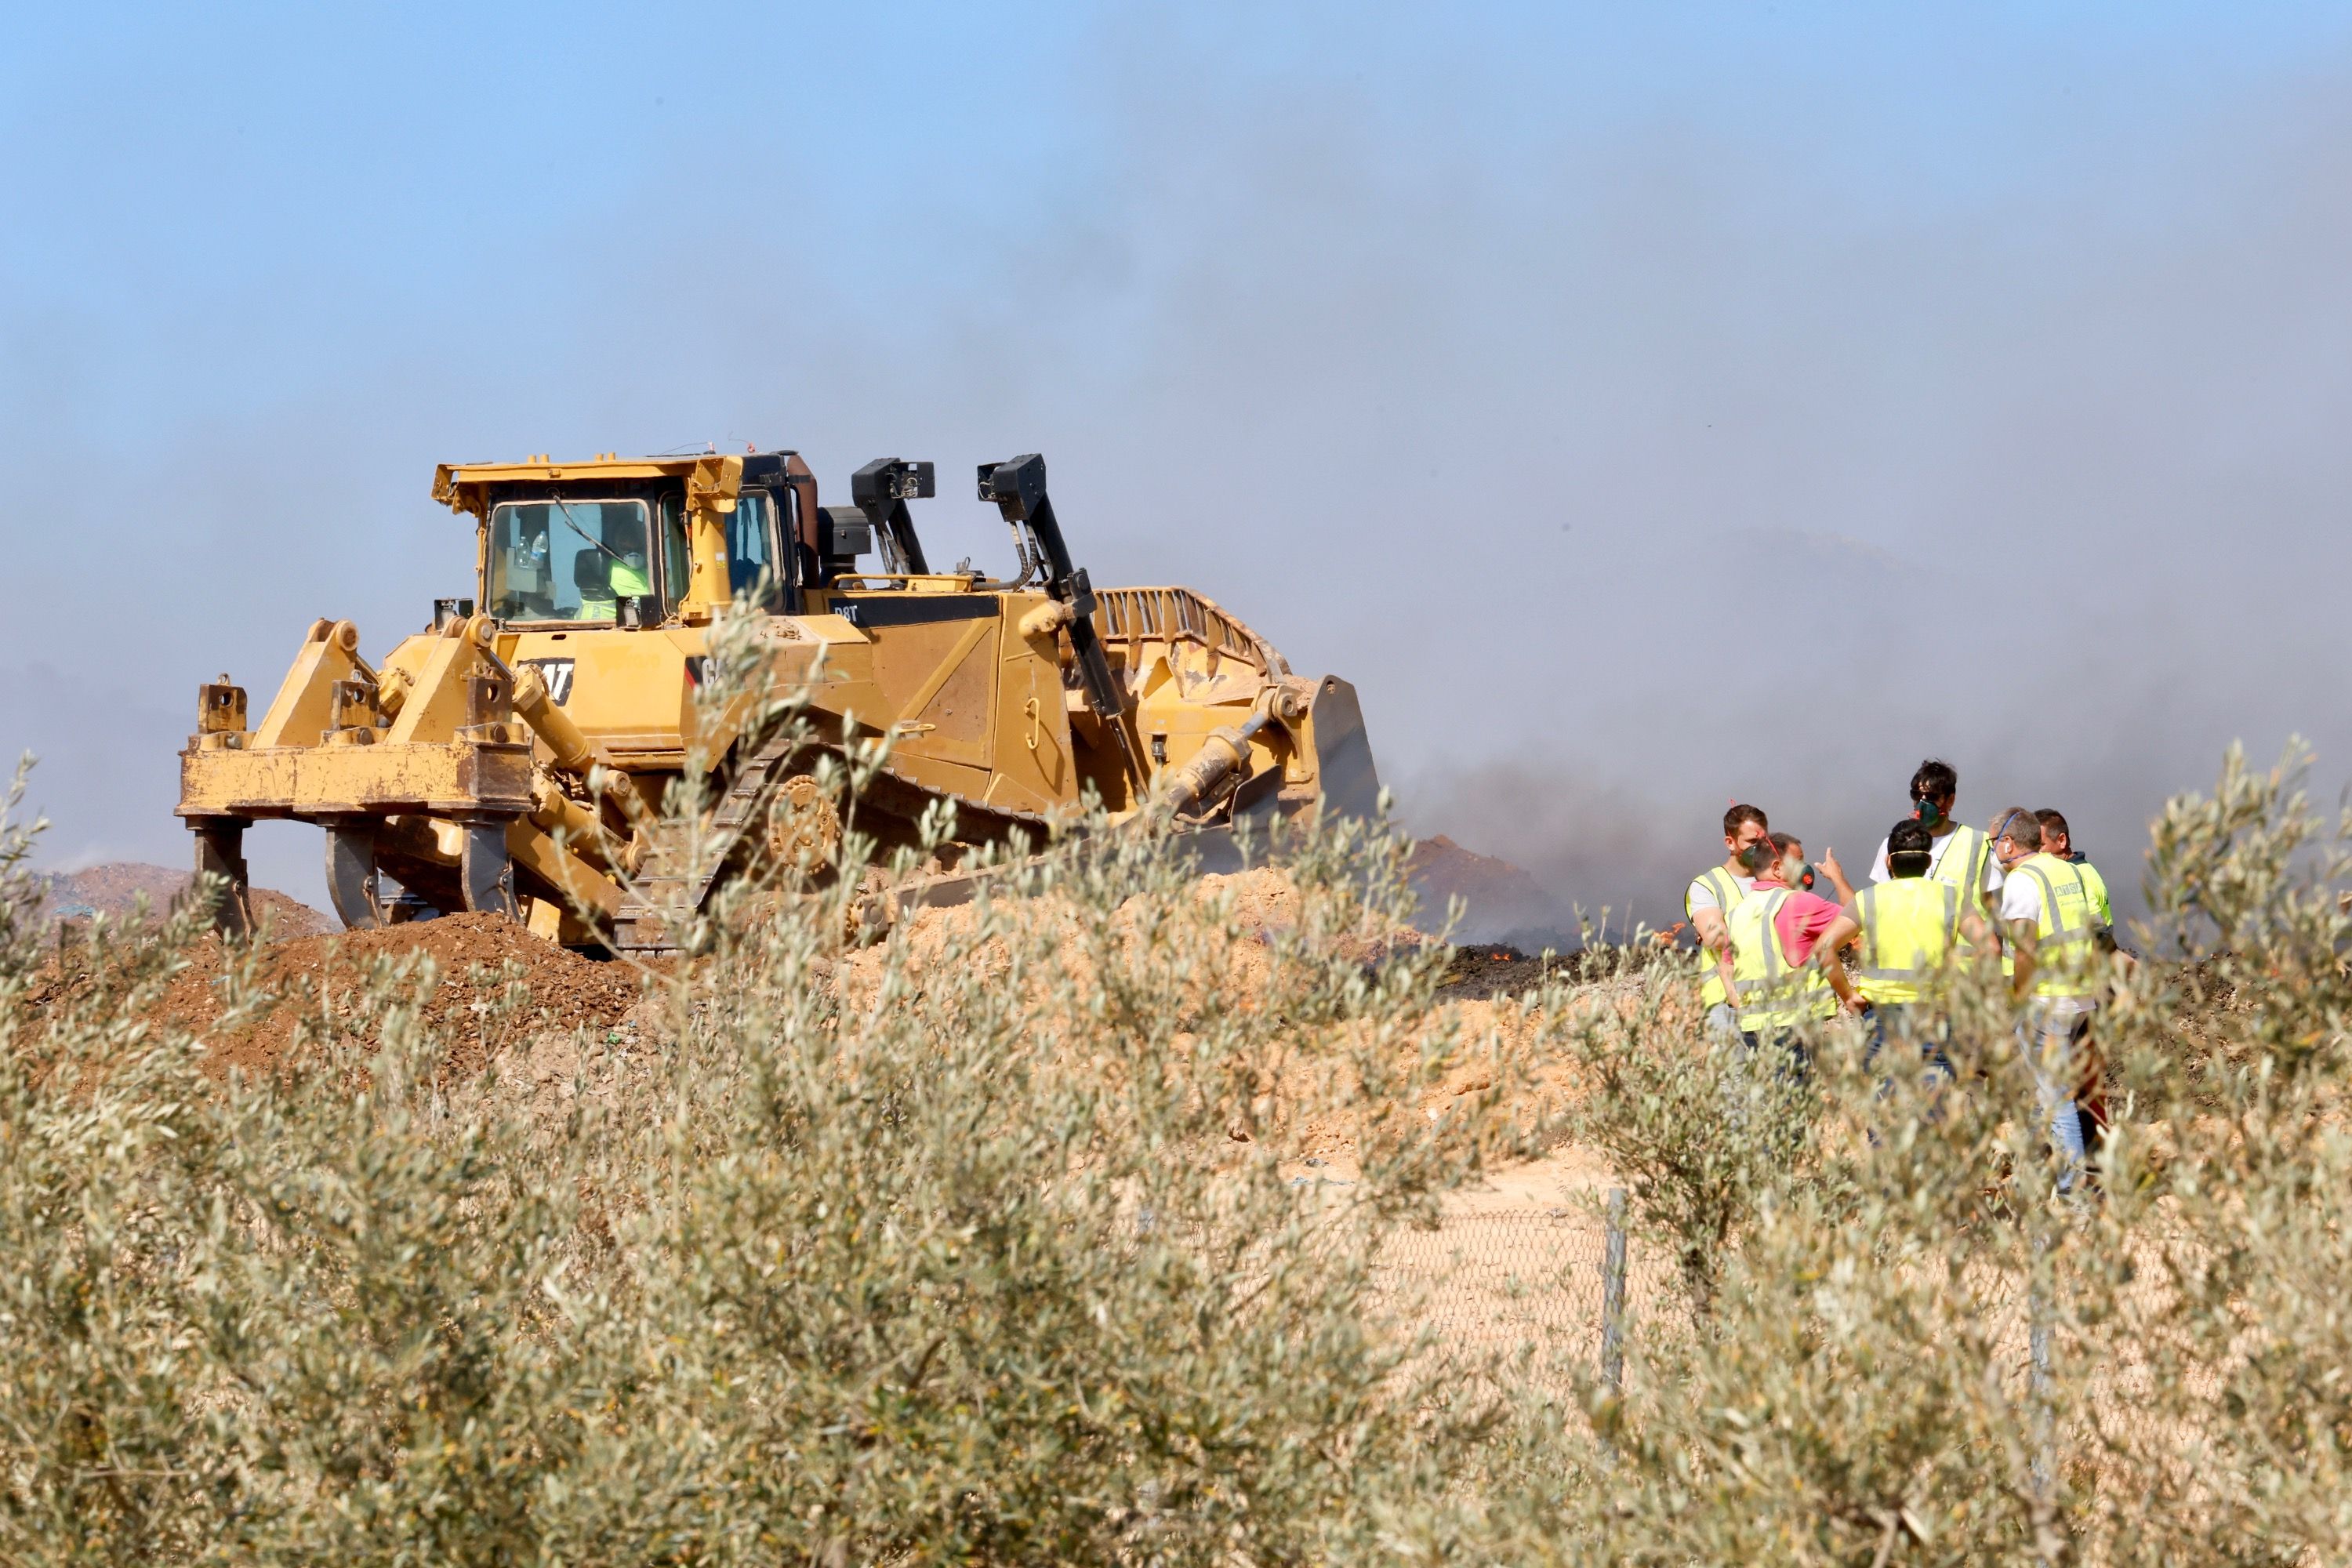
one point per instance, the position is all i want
(614, 569)
(1957, 854)
(2058, 842)
(1711, 896)
(1784, 969)
(2053, 928)
(1913, 926)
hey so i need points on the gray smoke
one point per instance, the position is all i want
(1626, 474)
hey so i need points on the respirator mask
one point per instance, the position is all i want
(1930, 815)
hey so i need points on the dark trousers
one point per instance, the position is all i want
(1896, 1021)
(1778, 1041)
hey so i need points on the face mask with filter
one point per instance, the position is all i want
(1930, 815)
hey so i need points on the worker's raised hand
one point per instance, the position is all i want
(1829, 862)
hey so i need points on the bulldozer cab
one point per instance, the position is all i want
(615, 544)
(572, 561)
(610, 543)
(569, 561)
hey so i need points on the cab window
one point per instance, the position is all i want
(677, 562)
(750, 549)
(565, 559)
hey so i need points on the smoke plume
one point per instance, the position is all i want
(1630, 457)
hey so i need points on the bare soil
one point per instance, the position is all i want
(485, 979)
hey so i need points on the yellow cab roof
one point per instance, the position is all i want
(708, 475)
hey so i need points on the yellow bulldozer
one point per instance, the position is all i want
(516, 757)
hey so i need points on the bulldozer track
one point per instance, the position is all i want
(666, 888)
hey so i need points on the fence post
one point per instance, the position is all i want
(2037, 1340)
(1613, 1296)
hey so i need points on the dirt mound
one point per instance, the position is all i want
(1487, 1022)
(1266, 909)
(1499, 900)
(495, 986)
(116, 889)
(289, 917)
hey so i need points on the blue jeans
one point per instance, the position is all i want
(2051, 1035)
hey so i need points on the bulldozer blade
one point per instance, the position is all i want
(1351, 783)
(486, 874)
(351, 876)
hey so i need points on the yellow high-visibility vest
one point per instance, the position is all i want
(2096, 886)
(1909, 928)
(627, 581)
(1962, 863)
(1772, 994)
(1725, 886)
(2062, 958)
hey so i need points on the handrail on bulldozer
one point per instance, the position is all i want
(1137, 616)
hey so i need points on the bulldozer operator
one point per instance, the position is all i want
(614, 568)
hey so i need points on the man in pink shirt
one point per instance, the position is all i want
(1809, 929)
(1807, 876)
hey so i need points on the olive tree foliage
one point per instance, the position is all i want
(971, 1245)
(979, 1243)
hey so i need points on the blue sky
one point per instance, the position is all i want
(1642, 404)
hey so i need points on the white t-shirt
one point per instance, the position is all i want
(1702, 896)
(1936, 847)
(2021, 900)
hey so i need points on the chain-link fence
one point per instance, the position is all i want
(1552, 1292)
(1545, 1282)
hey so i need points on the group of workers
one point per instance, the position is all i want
(1777, 931)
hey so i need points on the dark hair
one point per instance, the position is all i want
(2053, 823)
(1781, 841)
(1910, 837)
(1739, 813)
(2021, 824)
(1936, 780)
